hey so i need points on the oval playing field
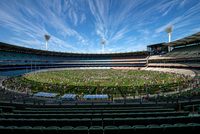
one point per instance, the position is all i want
(109, 81)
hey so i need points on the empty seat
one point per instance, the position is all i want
(194, 126)
(22, 129)
(168, 128)
(37, 129)
(96, 130)
(8, 129)
(125, 129)
(140, 129)
(81, 130)
(51, 130)
(111, 130)
(153, 128)
(66, 129)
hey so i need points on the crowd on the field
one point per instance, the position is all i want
(150, 86)
(10, 95)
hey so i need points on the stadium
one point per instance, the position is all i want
(152, 91)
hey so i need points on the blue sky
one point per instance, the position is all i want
(79, 25)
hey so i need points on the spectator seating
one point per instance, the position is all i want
(187, 51)
(96, 119)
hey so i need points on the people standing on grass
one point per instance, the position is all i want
(117, 79)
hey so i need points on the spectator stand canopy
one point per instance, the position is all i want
(95, 97)
(45, 94)
(69, 97)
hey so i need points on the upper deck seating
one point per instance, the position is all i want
(188, 51)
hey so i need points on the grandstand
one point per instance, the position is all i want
(185, 53)
(176, 111)
(14, 57)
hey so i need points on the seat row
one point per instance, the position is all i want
(99, 121)
(93, 108)
(6, 108)
(81, 105)
(94, 115)
(90, 111)
(124, 129)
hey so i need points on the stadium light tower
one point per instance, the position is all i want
(168, 30)
(103, 42)
(47, 37)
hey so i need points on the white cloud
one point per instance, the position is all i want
(78, 25)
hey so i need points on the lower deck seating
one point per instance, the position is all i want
(94, 115)
(124, 129)
(96, 119)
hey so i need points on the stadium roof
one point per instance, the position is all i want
(195, 38)
(158, 44)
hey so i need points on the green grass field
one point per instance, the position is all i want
(112, 82)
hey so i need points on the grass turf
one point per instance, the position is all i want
(108, 81)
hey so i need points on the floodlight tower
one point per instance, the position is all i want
(47, 37)
(103, 42)
(169, 30)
